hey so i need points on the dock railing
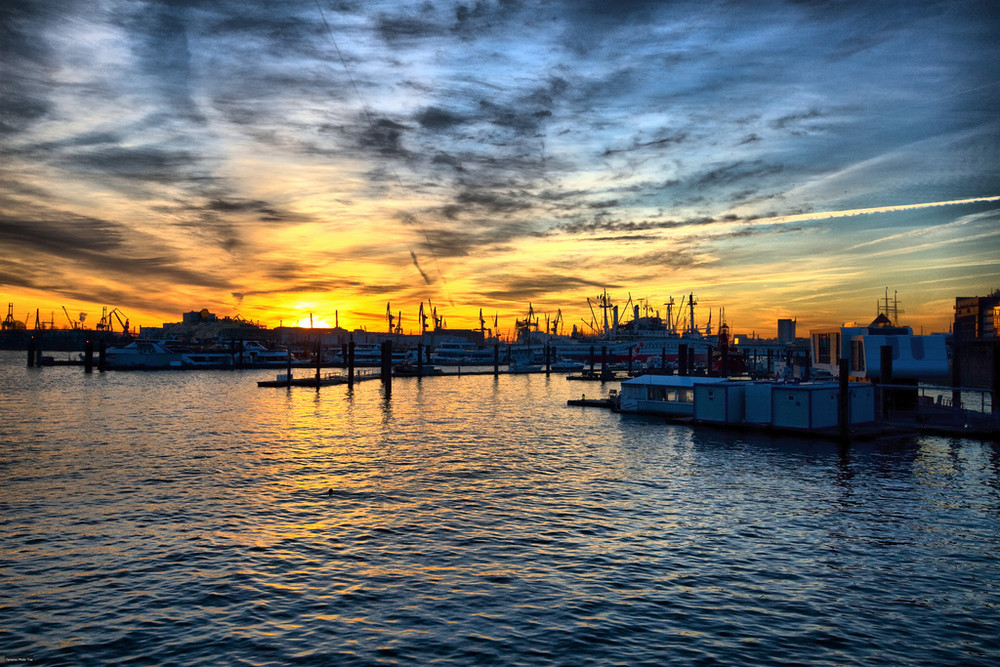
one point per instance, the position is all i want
(955, 410)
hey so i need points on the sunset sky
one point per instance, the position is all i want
(276, 159)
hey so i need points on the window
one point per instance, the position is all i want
(857, 356)
(823, 348)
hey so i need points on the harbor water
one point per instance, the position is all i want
(191, 517)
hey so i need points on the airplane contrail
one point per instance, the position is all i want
(823, 215)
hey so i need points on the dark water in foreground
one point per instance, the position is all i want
(184, 517)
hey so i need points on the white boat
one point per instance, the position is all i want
(256, 354)
(523, 367)
(143, 354)
(206, 359)
(567, 366)
(461, 354)
(371, 355)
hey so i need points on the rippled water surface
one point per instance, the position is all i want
(192, 517)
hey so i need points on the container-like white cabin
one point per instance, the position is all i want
(670, 395)
(721, 403)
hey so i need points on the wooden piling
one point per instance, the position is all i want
(682, 359)
(548, 358)
(288, 370)
(885, 378)
(88, 357)
(843, 400)
(319, 364)
(420, 360)
(102, 356)
(381, 362)
(956, 370)
(995, 401)
(387, 367)
(496, 359)
(31, 352)
(350, 363)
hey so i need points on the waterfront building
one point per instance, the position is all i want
(913, 357)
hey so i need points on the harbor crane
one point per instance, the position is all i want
(9, 323)
(422, 317)
(118, 316)
(482, 325)
(72, 324)
(395, 323)
(557, 323)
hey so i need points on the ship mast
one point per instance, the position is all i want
(691, 303)
(670, 318)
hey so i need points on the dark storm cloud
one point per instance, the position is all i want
(19, 109)
(97, 245)
(675, 138)
(143, 163)
(63, 236)
(449, 242)
(434, 118)
(518, 289)
(25, 63)
(736, 172)
(384, 137)
(306, 287)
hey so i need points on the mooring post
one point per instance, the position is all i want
(319, 363)
(31, 352)
(843, 400)
(387, 381)
(682, 359)
(591, 359)
(548, 359)
(88, 357)
(496, 359)
(420, 360)
(995, 400)
(885, 377)
(386, 365)
(288, 370)
(956, 370)
(350, 363)
(381, 362)
(102, 356)
(604, 361)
